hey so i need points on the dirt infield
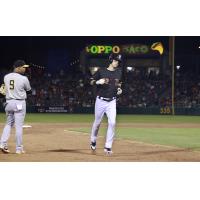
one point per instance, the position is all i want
(54, 143)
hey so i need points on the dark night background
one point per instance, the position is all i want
(36, 48)
(54, 51)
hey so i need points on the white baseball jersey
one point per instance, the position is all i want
(16, 86)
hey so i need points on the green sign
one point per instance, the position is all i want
(94, 49)
(125, 49)
(135, 49)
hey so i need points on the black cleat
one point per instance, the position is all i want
(108, 151)
(93, 146)
(4, 149)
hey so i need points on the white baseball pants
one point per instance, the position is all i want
(109, 108)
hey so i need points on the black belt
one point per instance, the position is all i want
(106, 99)
(16, 99)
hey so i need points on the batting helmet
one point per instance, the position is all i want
(117, 57)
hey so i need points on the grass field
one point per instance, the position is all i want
(74, 118)
(177, 137)
(185, 135)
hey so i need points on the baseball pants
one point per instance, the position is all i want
(109, 108)
(15, 112)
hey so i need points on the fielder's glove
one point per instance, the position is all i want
(3, 90)
(119, 91)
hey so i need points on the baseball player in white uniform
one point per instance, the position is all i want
(109, 86)
(16, 88)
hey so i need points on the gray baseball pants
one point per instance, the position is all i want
(15, 112)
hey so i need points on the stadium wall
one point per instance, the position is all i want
(120, 110)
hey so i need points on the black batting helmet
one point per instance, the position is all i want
(114, 56)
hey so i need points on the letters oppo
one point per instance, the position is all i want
(102, 49)
(129, 49)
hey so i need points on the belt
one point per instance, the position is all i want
(16, 99)
(106, 99)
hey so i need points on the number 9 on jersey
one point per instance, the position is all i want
(12, 85)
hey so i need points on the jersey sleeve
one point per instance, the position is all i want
(96, 76)
(27, 85)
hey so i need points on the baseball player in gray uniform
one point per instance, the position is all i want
(108, 81)
(16, 87)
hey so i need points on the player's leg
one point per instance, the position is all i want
(111, 114)
(19, 121)
(99, 112)
(7, 128)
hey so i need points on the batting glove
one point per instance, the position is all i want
(101, 81)
(119, 91)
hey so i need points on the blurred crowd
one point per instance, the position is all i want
(187, 90)
(140, 90)
(60, 89)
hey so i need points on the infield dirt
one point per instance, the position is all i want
(53, 142)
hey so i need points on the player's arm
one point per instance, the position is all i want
(2, 89)
(119, 88)
(3, 94)
(27, 86)
(119, 85)
(96, 79)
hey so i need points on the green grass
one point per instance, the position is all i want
(179, 137)
(53, 118)
(74, 118)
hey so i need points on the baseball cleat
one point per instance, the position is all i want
(108, 151)
(20, 151)
(5, 149)
(93, 146)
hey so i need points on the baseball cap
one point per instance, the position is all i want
(20, 63)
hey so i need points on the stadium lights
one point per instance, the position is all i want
(129, 68)
(178, 67)
(37, 66)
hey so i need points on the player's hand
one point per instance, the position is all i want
(119, 91)
(118, 83)
(102, 81)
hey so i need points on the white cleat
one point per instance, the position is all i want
(20, 151)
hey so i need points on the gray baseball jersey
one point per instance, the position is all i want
(16, 86)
